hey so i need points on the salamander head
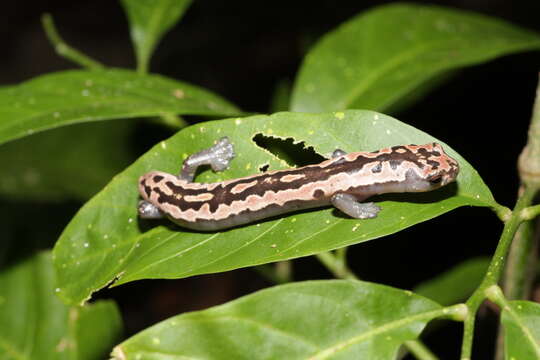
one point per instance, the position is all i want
(434, 168)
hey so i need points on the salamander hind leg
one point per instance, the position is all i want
(348, 204)
(218, 157)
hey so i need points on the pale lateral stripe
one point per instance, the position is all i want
(237, 189)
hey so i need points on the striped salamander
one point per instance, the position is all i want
(342, 181)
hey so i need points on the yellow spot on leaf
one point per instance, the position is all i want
(179, 94)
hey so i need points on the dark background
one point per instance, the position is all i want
(241, 50)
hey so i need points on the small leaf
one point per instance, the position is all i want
(455, 284)
(380, 57)
(72, 162)
(521, 321)
(34, 324)
(105, 240)
(149, 20)
(332, 319)
(75, 96)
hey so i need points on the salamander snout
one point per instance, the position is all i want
(442, 168)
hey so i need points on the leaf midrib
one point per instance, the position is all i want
(525, 329)
(387, 327)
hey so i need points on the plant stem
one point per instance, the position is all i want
(172, 120)
(519, 272)
(283, 270)
(275, 272)
(419, 350)
(520, 269)
(494, 270)
(336, 266)
(529, 159)
(63, 49)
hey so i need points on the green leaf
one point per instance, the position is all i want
(332, 319)
(35, 324)
(456, 284)
(149, 20)
(281, 97)
(521, 321)
(105, 240)
(64, 163)
(378, 58)
(75, 96)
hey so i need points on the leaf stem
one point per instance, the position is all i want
(419, 350)
(494, 270)
(172, 121)
(336, 265)
(530, 212)
(272, 273)
(494, 293)
(63, 49)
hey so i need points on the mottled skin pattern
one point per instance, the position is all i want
(343, 181)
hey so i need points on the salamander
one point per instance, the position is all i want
(343, 181)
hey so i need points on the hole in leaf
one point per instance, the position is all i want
(264, 168)
(294, 154)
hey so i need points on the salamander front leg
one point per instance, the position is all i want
(218, 157)
(338, 153)
(348, 204)
(148, 211)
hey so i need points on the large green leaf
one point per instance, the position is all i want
(332, 319)
(105, 240)
(68, 97)
(149, 20)
(35, 324)
(381, 57)
(521, 321)
(456, 284)
(68, 162)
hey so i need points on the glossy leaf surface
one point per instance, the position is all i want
(68, 97)
(333, 319)
(383, 56)
(149, 20)
(456, 284)
(72, 162)
(106, 240)
(35, 324)
(521, 321)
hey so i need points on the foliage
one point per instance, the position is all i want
(381, 60)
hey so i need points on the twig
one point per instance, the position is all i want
(520, 270)
(494, 271)
(63, 49)
(336, 266)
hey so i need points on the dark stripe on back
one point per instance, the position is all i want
(270, 181)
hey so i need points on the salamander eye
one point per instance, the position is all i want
(435, 180)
